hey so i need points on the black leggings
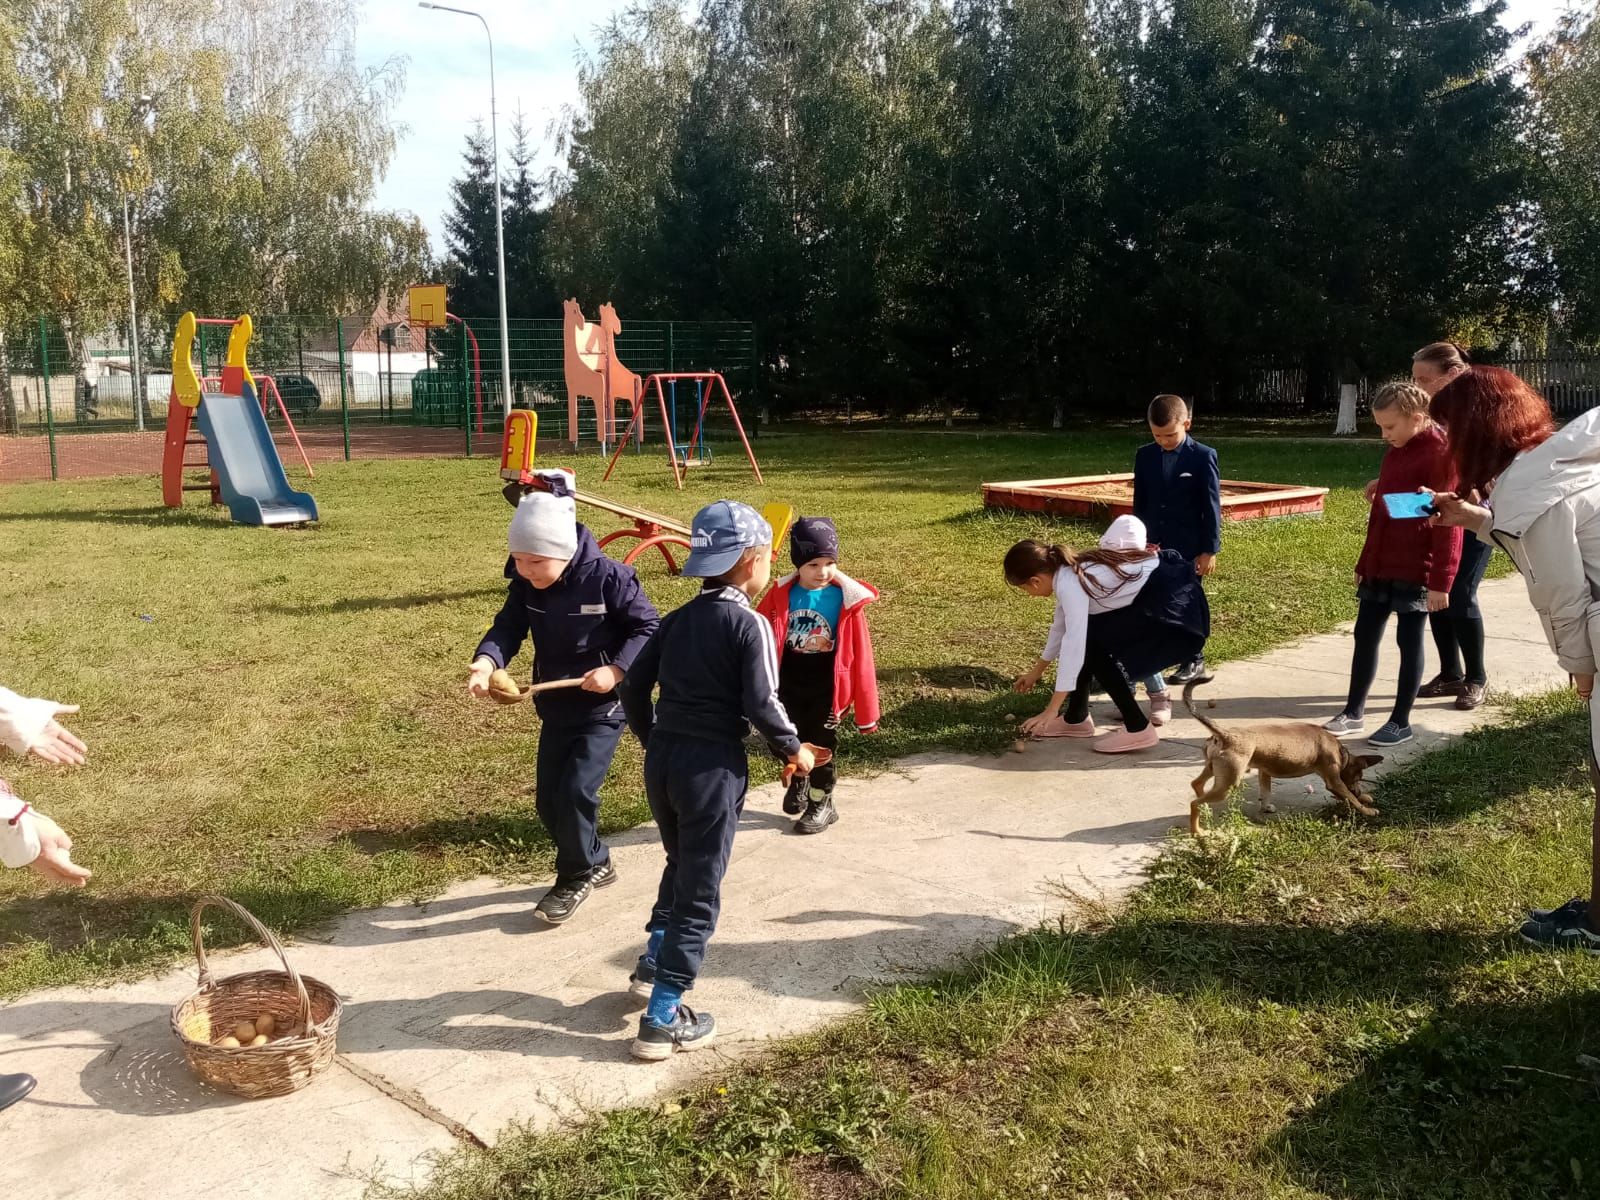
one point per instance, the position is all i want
(1371, 618)
(1458, 630)
(1100, 667)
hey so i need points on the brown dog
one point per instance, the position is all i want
(1282, 751)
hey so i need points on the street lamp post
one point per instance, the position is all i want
(133, 320)
(143, 107)
(499, 221)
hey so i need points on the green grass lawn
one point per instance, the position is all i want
(279, 714)
(1306, 1009)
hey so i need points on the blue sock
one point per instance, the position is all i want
(652, 948)
(663, 1003)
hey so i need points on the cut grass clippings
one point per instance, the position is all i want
(1312, 1008)
(280, 715)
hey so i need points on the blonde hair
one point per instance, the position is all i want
(1403, 395)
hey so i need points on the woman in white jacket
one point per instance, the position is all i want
(1535, 492)
(28, 838)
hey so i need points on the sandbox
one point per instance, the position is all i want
(1108, 496)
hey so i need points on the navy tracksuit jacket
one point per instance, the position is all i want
(718, 671)
(593, 615)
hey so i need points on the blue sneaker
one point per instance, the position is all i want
(1344, 723)
(1575, 909)
(643, 979)
(688, 1031)
(1391, 735)
(1567, 932)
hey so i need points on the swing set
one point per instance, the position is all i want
(707, 385)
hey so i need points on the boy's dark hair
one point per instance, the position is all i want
(1167, 408)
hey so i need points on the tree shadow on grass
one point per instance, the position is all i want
(1490, 766)
(1484, 1102)
(945, 675)
(156, 516)
(1484, 1099)
(369, 603)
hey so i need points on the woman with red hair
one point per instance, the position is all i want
(1535, 492)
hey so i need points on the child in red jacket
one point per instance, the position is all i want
(825, 662)
(1406, 566)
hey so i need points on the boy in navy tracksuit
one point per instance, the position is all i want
(1177, 493)
(587, 617)
(718, 669)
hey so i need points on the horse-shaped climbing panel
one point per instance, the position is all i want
(589, 359)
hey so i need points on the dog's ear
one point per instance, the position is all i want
(1368, 760)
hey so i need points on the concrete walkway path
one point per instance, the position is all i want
(463, 1014)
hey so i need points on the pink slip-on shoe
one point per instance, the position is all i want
(1122, 742)
(1160, 708)
(1057, 726)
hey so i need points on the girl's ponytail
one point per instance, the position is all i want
(1030, 558)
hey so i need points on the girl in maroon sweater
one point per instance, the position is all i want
(1406, 566)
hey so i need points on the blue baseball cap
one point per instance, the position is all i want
(720, 533)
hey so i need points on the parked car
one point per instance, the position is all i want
(300, 395)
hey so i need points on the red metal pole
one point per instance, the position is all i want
(739, 425)
(622, 443)
(270, 382)
(666, 425)
(477, 366)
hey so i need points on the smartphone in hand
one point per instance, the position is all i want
(1405, 506)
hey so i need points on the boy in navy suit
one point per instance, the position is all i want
(1177, 493)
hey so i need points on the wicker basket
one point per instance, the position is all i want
(211, 1013)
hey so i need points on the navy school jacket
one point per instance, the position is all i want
(718, 669)
(1185, 515)
(593, 615)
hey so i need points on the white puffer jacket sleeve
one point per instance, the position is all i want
(19, 841)
(1545, 514)
(23, 721)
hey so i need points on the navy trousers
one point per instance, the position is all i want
(696, 788)
(572, 764)
(1458, 630)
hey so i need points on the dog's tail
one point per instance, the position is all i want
(1188, 702)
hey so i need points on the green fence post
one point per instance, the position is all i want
(344, 399)
(49, 406)
(466, 387)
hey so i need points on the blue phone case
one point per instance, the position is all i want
(1408, 505)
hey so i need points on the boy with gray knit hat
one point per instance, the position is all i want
(587, 617)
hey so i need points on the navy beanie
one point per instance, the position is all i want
(813, 537)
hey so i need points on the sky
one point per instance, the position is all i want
(537, 47)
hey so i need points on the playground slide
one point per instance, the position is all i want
(249, 471)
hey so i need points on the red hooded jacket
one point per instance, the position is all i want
(1412, 551)
(855, 675)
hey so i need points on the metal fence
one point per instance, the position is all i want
(1570, 383)
(79, 406)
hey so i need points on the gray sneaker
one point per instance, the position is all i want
(643, 980)
(1390, 735)
(689, 1030)
(1575, 909)
(1344, 723)
(1571, 933)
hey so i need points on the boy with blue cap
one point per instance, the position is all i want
(718, 669)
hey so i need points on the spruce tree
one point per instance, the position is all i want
(469, 231)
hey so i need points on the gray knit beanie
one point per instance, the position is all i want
(546, 520)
